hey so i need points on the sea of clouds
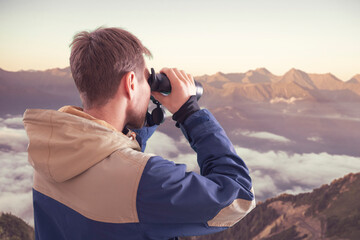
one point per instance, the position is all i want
(15, 172)
(272, 172)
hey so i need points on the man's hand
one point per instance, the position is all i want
(182, 88)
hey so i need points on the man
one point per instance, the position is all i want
(91, 179)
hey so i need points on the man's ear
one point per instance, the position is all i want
(128, 82)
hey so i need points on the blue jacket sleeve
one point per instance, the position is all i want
(193, 204)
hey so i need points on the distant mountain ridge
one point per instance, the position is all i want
(54, 88)
(264, 75)
(262, 85)
(355, 79)
(329, 212)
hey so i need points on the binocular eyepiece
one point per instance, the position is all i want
(159, 82)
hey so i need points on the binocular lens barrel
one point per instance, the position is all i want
(159, 82)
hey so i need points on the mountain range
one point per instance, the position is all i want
(329, 212)
(262, 85)
(36, 89)
(55, 87)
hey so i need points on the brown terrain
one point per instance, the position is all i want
(329, 212)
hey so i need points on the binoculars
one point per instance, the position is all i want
(159, 82)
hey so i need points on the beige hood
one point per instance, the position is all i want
(65, 143)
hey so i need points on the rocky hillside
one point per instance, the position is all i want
(14, 228)
(329, 212)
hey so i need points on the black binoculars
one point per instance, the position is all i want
(159, 82)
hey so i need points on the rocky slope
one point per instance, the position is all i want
(14, 228)
(329, 212)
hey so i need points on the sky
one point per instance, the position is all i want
(199, 36)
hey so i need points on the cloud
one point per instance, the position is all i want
(161, 143)
(262, 135)
(16, 121)
(16, 185)
(13, 139)
(291, 100)
(273, 172)
(278, 172)
(166, 147)
(189, 160)
(12, 134)
(15, 171)
(314, 139)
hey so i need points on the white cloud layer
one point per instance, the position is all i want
(272, 172)
(12, 134)
(277, 172)
(13, 121)
(291, 100)
(166, 147)
(14, 139)
(161, 143)
(16, 185)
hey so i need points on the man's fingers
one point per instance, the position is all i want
(179, 74)
(169, 72)
(182, 87)
(190, 77)
(185, 76)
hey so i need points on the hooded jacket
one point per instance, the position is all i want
(93, 182)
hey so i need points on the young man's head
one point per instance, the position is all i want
(100, 59)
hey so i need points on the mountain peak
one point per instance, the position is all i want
(295, 70)
(259, 75)
(355, 79)
(219, 73)
(299, 77)
(263, 70)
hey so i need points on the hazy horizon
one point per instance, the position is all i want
(209, 74)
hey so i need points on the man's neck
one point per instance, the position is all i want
(115, 116)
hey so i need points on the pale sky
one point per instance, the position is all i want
(199, 36)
